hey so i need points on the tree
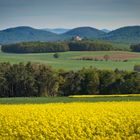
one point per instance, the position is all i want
(90, 81)
(131, 84)
(71, 84)
(3, 86)
(56, 55)
(21, 82)
(106, 79)
(46, 81)
(116, 86)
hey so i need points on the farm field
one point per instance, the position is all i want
(67, 60)
(94, 98)
(71, 121)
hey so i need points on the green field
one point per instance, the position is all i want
(65, 61)
(44, 100)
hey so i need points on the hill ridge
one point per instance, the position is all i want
(126, 34)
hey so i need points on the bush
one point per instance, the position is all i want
(56, 55)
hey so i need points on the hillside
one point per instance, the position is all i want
(87, 32)
(130, 34)
(23, 34)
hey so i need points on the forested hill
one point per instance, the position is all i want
(130, 34)
(26, 34)
(87, 32)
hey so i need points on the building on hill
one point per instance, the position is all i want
(77, 38)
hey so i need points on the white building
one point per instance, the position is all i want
(78, 38)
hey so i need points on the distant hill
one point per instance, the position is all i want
(105, 30)
(87, 32)
(24, 34)
(57, 30)
(130, 34)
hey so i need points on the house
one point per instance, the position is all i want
(77, 38)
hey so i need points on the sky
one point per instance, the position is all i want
(109, 14)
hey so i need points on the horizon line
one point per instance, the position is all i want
(41, 28)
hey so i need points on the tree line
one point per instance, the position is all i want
(90, 46)
(35, 47)
(28, 80)
(45, 47)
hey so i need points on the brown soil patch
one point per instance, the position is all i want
(113, 57)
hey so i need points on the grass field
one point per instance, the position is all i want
(44, 100)
(66, 60)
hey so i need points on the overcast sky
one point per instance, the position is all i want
(100, 14)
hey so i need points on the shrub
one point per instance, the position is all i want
(56, 55)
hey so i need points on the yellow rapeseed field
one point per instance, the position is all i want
(71, 121)
(115, 95)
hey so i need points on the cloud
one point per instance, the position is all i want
(69, 12)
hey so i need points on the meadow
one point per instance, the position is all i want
(70, 99)
(67, 60)
(71, 121)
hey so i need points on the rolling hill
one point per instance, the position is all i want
(130, 34)
(24, 34)
(87, 32)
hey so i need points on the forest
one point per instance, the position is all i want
(35, 47)
(35, 80)
(44, 47)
